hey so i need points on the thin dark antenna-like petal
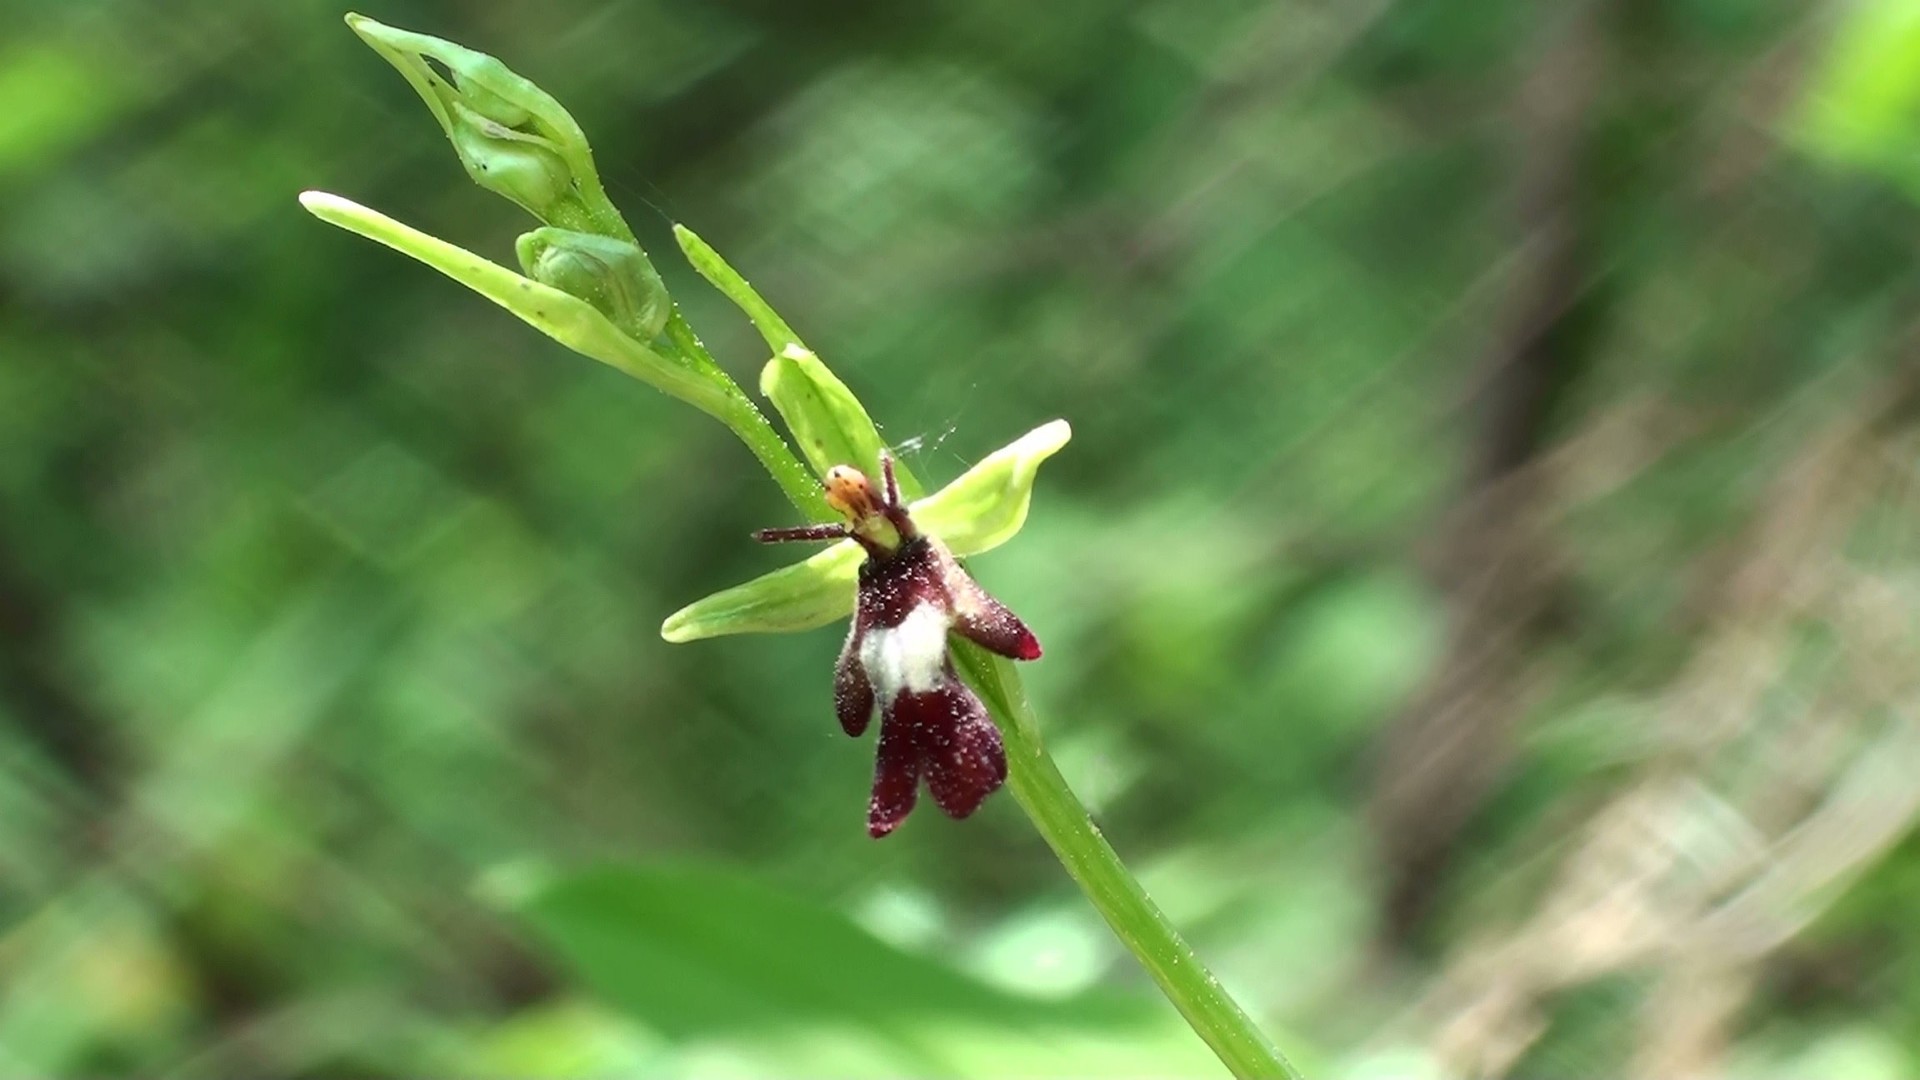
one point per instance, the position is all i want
(801, 534)
(892, 483)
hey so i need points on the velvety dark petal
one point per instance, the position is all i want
(852, 692)
(987, 623)
(960, 751)
(896, 775)
(981, 619)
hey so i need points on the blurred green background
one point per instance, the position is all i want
(1479, 597)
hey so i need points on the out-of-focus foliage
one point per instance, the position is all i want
(1863, 107)
(330, 594)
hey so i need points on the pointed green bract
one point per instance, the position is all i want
(721, 275)
(514, 139)
(1860, 101)
(566, 318)
(981, 510)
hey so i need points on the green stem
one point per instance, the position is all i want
(796, 481)
(1135, 919)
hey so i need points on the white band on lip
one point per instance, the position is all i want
(911, 657)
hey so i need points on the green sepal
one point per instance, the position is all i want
(798, 597)
(978, 512)
(987, 505)
(566, 318)
(513, 138)
(613, 275)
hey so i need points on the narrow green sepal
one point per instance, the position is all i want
(827, 420)
(613, 275)
(798, 597)
(513, 138)
(566, 318)
(981, 510)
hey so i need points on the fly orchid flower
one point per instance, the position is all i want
(896, 570)
(913, 591)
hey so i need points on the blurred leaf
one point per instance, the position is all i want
(1856, 1052)
(1353, 648)
(558, 1042)
(1863, 106)
(696, 950)
(99, 971)
(1052, 951)
(53, 98)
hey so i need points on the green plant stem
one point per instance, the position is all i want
(1135, 919)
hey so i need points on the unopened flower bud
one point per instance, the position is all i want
(613, 275)
(513, 164)
(513, 138)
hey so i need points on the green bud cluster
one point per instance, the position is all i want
(516, 141)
